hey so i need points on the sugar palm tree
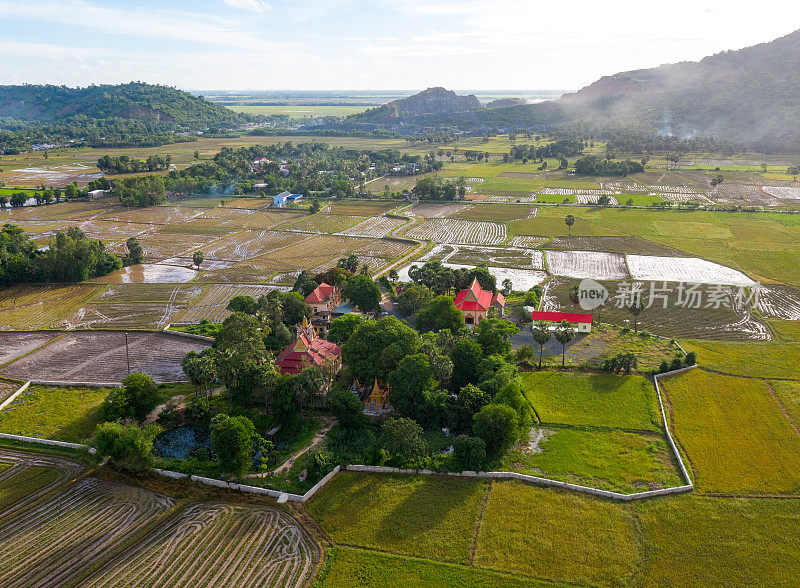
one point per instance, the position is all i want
(570, 220)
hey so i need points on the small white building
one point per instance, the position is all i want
(97, 193)
(284, 198)
(581, 322)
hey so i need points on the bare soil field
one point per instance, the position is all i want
(211, 305)
(587, 264)
(445, 230)
(776, 301)
(435, 210)
(218, 544)
(14, 345)
(53, 542)
(87, 356)
(377, 226)
(684, 269)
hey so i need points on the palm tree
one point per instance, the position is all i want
(570, 220)
(542, 336)
(635, 308)
(564, 334)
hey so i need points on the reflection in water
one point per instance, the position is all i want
(150, 273)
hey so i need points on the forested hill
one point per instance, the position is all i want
(751, 96)
(433, 102)
(31, 103)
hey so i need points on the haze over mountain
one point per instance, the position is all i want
(751, 96)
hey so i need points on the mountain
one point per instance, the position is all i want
(751, 96)
(433, 102)
(505, 102)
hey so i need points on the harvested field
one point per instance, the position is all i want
(323, 223)
(14, 345)
(233, 275)
(778, 301)
(377, 226)
(684, 269)
(168, 214)
(264, 219)
(624, 245)
(159, 246)
(587, 264)
(743, 195)
(582, 198)
(734, 433)
(54, 542)
(307, 254)
(147, 293)
(495, 212)
(434, 210)
(386, 248)
(495, 256)
(249, 203)
(27, 476)
(245, 244)
(213, 544)
(100, 357)
(37, 307)
(127, 315)
(361, 208)
(782, 192)
(459, 231)
(527, 241)
(211, 305)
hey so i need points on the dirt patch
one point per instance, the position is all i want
(14, 345)
(100, 357)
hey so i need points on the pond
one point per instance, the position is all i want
(182, 442)
(148, 273)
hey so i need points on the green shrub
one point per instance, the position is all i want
(469, 452)
(137, 397)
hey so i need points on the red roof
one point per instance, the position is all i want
(321, 294)
(476, 298)
(557, 317)
(292, 361)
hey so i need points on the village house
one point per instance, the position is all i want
(475, 302)
(582, 322)
(324, 298)
(284, 198)
(310, 350)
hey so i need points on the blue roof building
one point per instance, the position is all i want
(285, 198)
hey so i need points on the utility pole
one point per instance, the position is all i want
(127, 354)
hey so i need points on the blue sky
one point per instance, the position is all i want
(358, 44)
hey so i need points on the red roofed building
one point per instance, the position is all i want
(308, 350)
(324, 299)
(475, 302)
(582, 322)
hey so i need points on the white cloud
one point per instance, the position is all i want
(252, 5)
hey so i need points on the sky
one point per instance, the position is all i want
(369, 45)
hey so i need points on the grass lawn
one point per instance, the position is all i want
(25, 482)
(704, 541)
(64, 414)
(755, 359)
(605, 342)
(734, 433)
(557, 536)
(423, 516)
(611, 460)
(357, 567)
(601, 400)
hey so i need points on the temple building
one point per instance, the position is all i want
(307, 350)
(475, 302)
